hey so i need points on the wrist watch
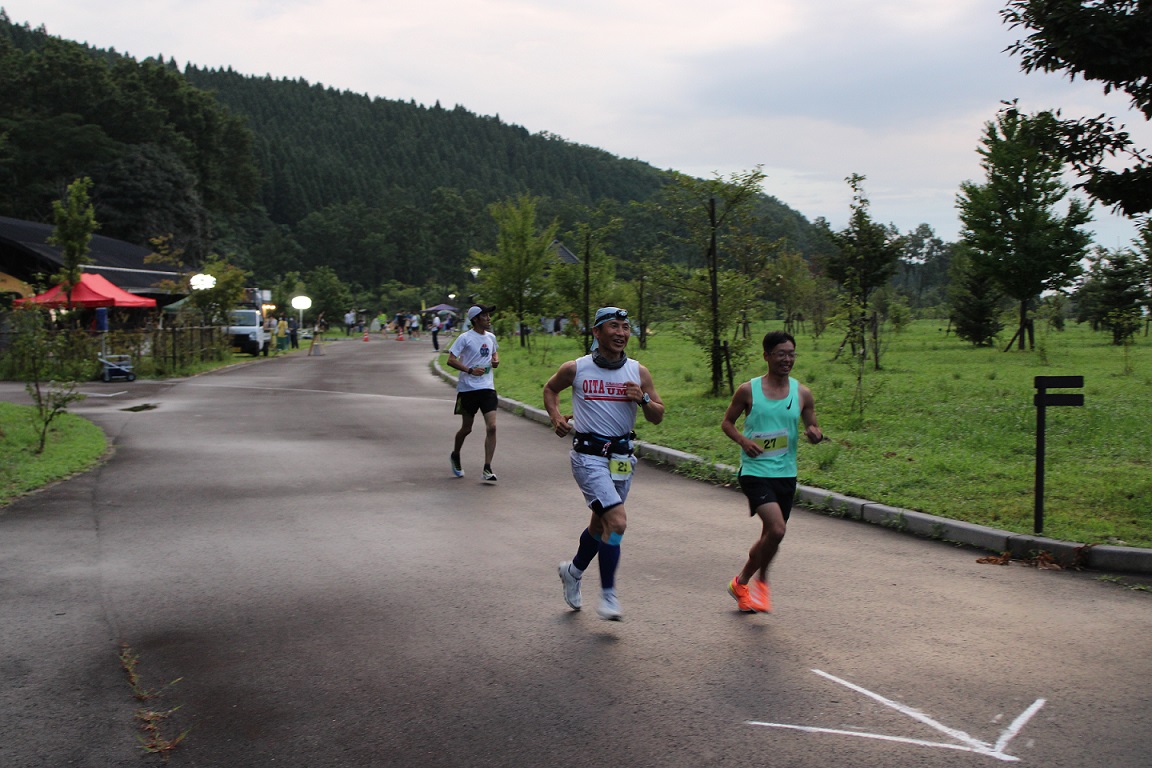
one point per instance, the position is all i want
(645, 400)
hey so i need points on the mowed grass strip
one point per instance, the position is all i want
(947, 429)
(74, 445)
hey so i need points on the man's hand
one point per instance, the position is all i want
(750, 447)
(563, 426)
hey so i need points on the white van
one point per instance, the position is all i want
(246, 329)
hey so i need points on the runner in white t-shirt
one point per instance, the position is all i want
(474, 354)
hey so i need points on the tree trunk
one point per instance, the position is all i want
(1023, 325)
(713, 278)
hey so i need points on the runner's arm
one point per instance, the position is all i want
(740, 405)
(560, 381)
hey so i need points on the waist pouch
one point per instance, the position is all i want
(599, 445)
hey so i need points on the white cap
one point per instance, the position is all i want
(479, 309)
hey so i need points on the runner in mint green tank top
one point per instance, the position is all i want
(772, 424)
(772, 407)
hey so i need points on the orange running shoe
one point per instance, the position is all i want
(760, 596)
(740, 594)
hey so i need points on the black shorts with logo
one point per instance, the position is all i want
(483, 400)
(765, 490)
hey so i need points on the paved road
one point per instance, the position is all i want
(286, 539)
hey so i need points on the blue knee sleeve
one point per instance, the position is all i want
(614, 539)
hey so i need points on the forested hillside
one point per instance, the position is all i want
(321, 146)
(282, 176)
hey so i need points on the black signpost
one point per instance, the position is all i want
(1042, 401)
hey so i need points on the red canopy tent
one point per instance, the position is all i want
(92, 291)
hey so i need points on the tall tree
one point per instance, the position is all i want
(514, 276)
(866, 256)
(923, 268)
(1114, 293)
(591, 281)
(708, 213)
(974, 302)
(1011, 222)
(75, 221)
(330, 297)
(792, 286)
(226, 293)
(1105, 41)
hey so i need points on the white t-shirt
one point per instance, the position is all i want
(475, 350)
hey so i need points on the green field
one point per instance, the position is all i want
(947, 429)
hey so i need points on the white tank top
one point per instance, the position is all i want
(599, 402)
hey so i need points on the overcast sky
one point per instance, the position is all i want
(812, 90)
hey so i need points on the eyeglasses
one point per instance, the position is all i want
(784, 355)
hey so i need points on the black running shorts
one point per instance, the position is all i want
(766, 490)
(483, 400)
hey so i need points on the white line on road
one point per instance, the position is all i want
(883, 737)
(968, 743)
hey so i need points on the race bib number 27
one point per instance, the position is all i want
(775, 443)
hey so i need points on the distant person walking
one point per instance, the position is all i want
(269, 333)
(436, 332)
(474, 354)
(293, 333)
(349, 322)
(772, 407)
(281, 334)
(607, 390)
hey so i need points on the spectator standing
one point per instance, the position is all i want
(281, 334)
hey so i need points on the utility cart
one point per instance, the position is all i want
(117, 367)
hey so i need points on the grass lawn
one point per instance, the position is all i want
(947, 429)
(74, 445)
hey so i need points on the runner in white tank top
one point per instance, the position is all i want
(608, 390)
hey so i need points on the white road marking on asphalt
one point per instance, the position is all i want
(1010, 732)
(881, 737)
(968, 743)
(104, 394)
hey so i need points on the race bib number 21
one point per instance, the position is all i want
(620, 466)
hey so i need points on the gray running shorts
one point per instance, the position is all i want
(600, 491)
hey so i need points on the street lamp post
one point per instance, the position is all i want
(202, 282)
(301, 303)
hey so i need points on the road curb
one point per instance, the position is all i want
(1069, 554)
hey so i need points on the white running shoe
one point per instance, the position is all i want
(489, 475)
(571, 587)
(609, 608)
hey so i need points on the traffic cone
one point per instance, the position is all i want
(365, 335)
(400, 336)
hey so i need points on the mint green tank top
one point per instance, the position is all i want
(775, 425)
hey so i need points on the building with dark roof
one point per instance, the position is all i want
(26, 259)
